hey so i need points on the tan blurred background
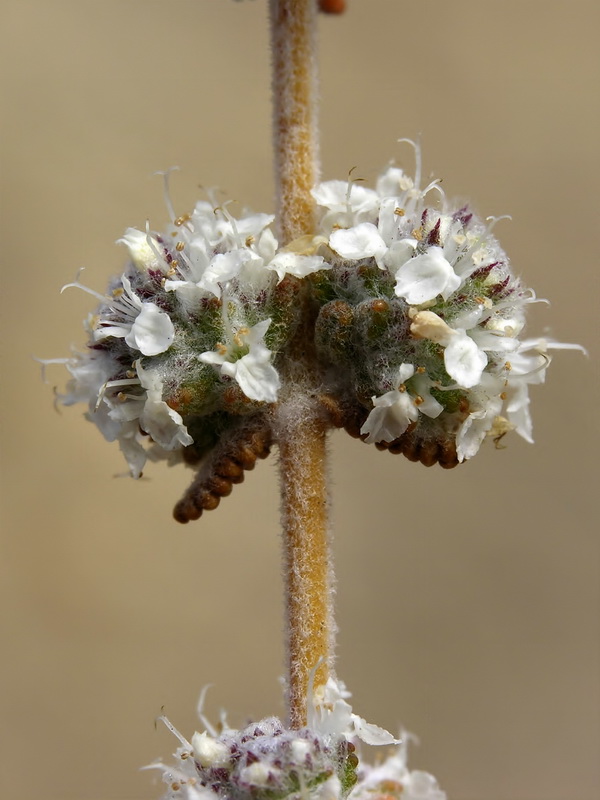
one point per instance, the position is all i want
(467, 601)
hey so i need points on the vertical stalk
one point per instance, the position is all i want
(306, 562)
(293, 45)
(300, 430)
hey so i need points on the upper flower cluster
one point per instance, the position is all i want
(407, 305)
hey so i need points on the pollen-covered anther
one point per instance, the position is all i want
(399, 212)
(418, 400)
(182, 220)
(180, 246)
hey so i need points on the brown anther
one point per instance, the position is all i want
(174, 265)
(402, 387)
(250, 240)
(179, 246)
(417, 234)
(175, 787)
(121, 397)
(419, 400)
(420, 370)
(174, 233)
(118, 292)
(480, 300)
(508, 366)
(399, 212)
(503, 395)
(131, 373)
(180, 220)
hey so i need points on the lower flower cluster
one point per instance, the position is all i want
(266, 761)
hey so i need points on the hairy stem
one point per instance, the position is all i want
(306, 563)
(293, 43)
(299, 427)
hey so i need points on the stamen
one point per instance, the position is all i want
(166, 175)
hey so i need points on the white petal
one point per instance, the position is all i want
(472, 433)
(372, 734)
(222, 268)
(152, 332)
(334, 194)
(405, 372)
(362, 241)
(424, 277)
(464, 361)
(257, 379)
(399, 253)
(164, 425)
(140, 250)
(517, 411)
(297, 265)
(391, 415)
(213, 357)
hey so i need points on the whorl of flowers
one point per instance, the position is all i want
(266, 761)
(405, 304)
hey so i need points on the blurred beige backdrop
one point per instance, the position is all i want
(468, 600)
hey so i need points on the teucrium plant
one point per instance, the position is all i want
(388, 311)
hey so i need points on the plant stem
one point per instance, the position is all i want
(294, 69)
(298, 422)
(306, 562)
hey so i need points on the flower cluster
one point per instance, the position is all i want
(406, 303)
(266, 761)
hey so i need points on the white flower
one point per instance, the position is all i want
(143, 325)
(210, 752)
(348, 203)
(247, 359)
(463, 359)
(394, 411)
(328, 713)
(222, 268)
(362, 241)
(143, 250)
(474, 429)
(287, 263)
(426, 276)
(164, 425)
